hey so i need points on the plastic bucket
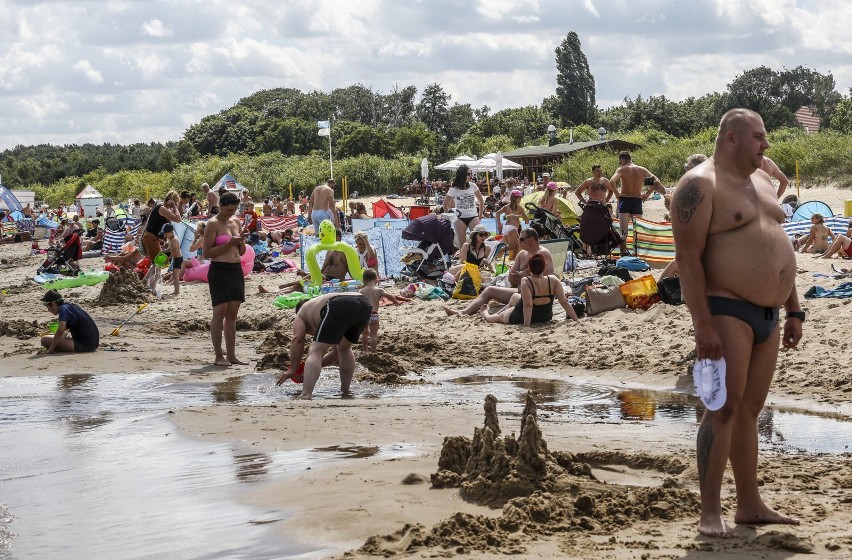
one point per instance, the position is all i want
(161, 260)
(53, 326)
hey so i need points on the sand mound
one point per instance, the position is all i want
(276, 348)
(20, 329)
(121, 288)
(542, 493)
(384, 368)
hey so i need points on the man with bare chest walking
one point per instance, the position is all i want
(737, 269)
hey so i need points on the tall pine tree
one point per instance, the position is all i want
(575, 85)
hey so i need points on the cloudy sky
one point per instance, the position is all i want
(120, 71)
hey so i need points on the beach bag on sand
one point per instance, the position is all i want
(603, 298)
(467, 286)
(640, 293)
(670, 290)
(609, 270)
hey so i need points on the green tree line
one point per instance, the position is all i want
(269, 139)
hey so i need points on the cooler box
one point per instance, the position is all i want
(415, 212)
(847, 209)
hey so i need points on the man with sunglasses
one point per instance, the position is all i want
(520, 269)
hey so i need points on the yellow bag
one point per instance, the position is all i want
(640, 293)
(469, 282)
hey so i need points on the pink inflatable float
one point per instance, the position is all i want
(198, 272)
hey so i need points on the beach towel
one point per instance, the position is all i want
(654, 241)
(279, 223)
(842, 291)
(837, 225)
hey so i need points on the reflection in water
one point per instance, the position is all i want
(83, 424)
(350, 452)
(227, 391)
(251, 467)
(637, 404)
(71, 381)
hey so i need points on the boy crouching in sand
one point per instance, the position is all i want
(374, 294)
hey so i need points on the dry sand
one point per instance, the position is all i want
(598, 490)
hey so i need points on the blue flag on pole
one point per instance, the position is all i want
(323, 124)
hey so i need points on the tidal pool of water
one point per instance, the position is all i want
(92, 468)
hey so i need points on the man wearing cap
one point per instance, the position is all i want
(632, 177)
(84, 335)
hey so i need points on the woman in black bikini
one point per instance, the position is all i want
(465, 198)
(474, 251)
(534, 303)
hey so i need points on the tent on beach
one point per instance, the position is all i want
(384, 209)
(89, 199)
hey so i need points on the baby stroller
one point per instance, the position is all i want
(60, 260)
(548, 225)
(597, 231)
(429, 260)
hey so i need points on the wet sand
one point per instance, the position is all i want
(379, 496)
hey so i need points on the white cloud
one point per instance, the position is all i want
(156, 28)
(85, 67)
(124, 71)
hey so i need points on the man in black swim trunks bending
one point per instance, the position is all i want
(737, 268)
(336, 319)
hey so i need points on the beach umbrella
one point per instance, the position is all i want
(489, 163)
(454, 164)
(424, 169)
(808, 209)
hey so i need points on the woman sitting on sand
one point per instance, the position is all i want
(817, 240)
(473, 251)
(534, 303)
(842, 245)
(514, 214)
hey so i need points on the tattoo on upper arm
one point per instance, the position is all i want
(689, 199)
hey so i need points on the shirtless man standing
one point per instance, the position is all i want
(599, 187)
(737, 268)
(212, 199)
(321, 205)
(336, 319)
(772, 169)
(630, 198)
(520, 269)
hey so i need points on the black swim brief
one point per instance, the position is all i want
(762, 320)
(343, 316)
(630, 205)
(176, 263)
(468, 220)
(226, 282)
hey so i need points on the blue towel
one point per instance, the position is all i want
(843, 290)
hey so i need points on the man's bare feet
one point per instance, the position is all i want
(236, 361)
(304, 397)
(452, 312)
(716, 528)
(764, 516)
(221, 362)
(262, 290)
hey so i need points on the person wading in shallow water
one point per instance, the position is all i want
(737, 268)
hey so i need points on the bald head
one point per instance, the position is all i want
(736, 120)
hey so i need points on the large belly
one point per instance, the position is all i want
(755, 263)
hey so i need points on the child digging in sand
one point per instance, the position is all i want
(374, 294)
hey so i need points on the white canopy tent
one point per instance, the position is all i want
(494, 163)
(454, 164)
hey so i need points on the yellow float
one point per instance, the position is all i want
(328, 242)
